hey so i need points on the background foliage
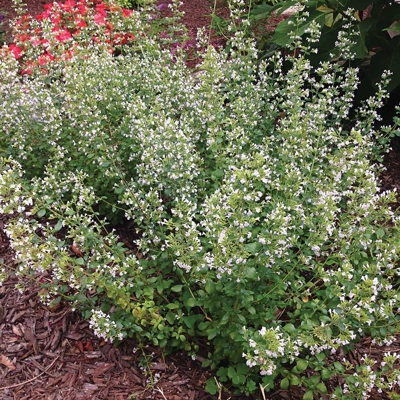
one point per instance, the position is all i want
(371, 27)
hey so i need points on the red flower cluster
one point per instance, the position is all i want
(71, 23)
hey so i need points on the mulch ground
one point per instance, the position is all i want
(50, 354)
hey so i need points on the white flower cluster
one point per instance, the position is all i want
(103, 327)
(267, 346)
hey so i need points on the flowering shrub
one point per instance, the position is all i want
(260, 226)
(65, 28)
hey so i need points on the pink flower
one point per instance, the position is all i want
(70, 3)
(99, 19)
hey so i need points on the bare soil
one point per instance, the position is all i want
(49, 354)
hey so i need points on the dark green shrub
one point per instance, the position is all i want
(370, 25)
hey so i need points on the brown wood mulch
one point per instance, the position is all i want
(51, 354)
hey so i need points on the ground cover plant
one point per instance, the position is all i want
(261, 230)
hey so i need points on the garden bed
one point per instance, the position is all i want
(52, 353)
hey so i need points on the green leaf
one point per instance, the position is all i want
(41, 213)
(289, 328)
(238, 379)
(79, 261)
(308, 395)
(380, 233)
(172, 306)
(231, 372)
(315, 379)
(339, 367)
(55, 301)
(253, 247)
(191, 320)
(295, 380)
(322, 388)
(326, 374)
(58, 226)
(170, 317)
(211, 334)
(211, 386)
(251, 310)
(242, 369)
(250, 272)
(81, 298)
(203, 326)
(251, 386)
(284, 383)
(225, 319)
(190, 302)
(177, 288)
(395, 28)
(210, 287)
(301, 365)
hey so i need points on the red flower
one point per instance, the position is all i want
(64, 36)
(28, 68)
(127, 13)
(81, 23)
(55, 19)
(121, 39)
(22, 38)
(101, 8)
(43, 15)
(45, 58)
(68, 54)
(82, 9)
(18, 52)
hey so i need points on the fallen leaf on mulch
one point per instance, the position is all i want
(7, 362)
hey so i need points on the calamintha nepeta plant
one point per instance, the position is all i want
(259, 220)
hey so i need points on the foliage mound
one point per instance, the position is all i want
(261, 229)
